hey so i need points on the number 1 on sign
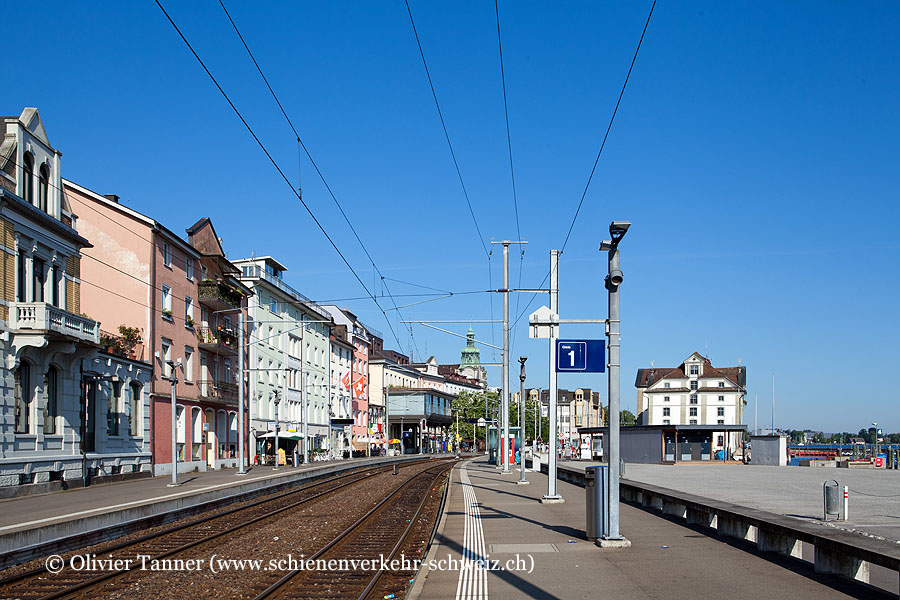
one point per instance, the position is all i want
(572, 358)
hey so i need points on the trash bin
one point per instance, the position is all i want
(831, 492)
(596, 484)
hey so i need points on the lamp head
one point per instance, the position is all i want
(617, 229)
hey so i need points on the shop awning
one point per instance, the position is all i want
(282, 436)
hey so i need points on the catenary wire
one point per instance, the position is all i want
(597, 159)
(462, 184)
(318, 171)
(444, 126)
(278, 168)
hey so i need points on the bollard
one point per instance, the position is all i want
(846, 501)
(831, 499)
(396, 469)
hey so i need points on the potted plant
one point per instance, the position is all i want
(189, 321)
(167, 313)
(131, 337)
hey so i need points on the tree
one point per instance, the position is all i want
(626, 418)
(471, 405)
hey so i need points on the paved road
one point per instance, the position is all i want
(790, 491)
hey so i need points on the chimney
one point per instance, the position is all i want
(112, 197)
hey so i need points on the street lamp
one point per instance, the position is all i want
(522, 480)
(173, 379)
(614, 278)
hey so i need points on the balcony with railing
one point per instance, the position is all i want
(250, 271)
(219, 341)
(219, 296)
(56, 322)
(294, 395)
(221, 391)
(294, 363)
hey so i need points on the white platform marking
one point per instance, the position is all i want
(472, 584)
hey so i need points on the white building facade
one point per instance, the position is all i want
(694, 393)
(289, 354)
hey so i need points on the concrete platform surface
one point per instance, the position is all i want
(789, 491)
(489, 516)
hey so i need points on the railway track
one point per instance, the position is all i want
(39, 584)
(381, 532)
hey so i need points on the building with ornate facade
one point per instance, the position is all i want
(68, 413)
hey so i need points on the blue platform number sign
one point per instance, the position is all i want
(580, 356)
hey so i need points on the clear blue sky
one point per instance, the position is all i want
(755, 152)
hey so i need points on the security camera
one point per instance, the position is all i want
(615, 277)
(606, 245)
(171, 363)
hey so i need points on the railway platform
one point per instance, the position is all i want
(33, 524)
(540, 551)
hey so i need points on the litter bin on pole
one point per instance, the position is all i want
(596, 482)
(831, 492)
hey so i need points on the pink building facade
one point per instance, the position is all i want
(153, 282)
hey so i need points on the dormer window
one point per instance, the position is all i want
(667, 385)
(721, 384)
(695, 369)
(44, 188)
(28, 179)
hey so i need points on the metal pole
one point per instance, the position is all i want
(174, 381)
(552, 495)
(305, 392)
(241, 470)
(504, 409)
(486, 419)
(287, 373)
(277, 424)
(387, 411)
(522, 480)
(613, 392)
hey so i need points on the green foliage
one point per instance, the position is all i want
(471, 405)
(124, 344)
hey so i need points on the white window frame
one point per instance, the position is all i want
(188, 310)
(188, 363)
(166, 299)
(165, 352)
(189, 268)
(167, 254)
